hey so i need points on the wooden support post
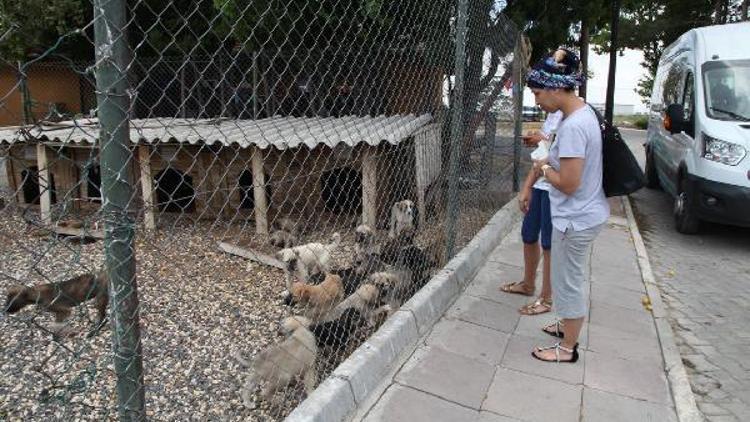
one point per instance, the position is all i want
(45, 188)
(147, 185)
(259, 192)
(369, 187)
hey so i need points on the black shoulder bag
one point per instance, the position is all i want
(622, 174)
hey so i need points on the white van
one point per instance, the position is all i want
(698, 140)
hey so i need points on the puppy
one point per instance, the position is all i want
(285, 234)
(391, 250)
(403, 217)
(317, 300)
(289, 324)
(367, 298)
(399, 282)
(59, 298)
(282, 239)
(336, 333)
(364, 241)
(277, 366)
(307, 259)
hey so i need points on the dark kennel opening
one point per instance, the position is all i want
(94, 183)
(174, 191)
(247, 197)
(30, 186)
(342, 190)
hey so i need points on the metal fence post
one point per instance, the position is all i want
(456, 127)
(518, 86)
(116, 161)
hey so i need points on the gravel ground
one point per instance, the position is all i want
(197, 305)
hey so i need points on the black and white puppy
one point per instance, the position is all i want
(403, 217)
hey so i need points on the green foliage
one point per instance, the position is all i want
(641, 122)
(650, 26)
(552, 23)
(30, 27)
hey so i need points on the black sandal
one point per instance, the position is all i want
(557, 347)
(557, 331)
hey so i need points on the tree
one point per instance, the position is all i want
(651, 25)
(32, 27)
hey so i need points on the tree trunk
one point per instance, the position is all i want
(584, 46)
(610, 104)
(743, 15)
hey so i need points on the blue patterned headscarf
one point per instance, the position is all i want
(560, 69)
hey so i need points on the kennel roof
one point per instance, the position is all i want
(279, 132)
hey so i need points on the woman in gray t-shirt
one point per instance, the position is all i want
(577, 202)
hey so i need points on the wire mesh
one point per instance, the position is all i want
(246, 189)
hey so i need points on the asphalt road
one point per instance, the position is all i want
(705, 282)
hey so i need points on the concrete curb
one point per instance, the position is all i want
(362, 373)
(682, 394)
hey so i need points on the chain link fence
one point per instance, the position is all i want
(243, 190)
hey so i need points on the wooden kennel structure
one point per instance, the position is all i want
(236, 167)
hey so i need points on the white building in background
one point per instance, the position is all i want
(620, 109)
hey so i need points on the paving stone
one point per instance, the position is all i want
(518, 357)
(491, 276)
(704, 282)
(485, 312)
(639, 380)
(447, 375)
(624, 344)
(493, 417)
(603, 406)
(622, 319)
(509, 252)
(470, 340)
(615, 295)
(532, 398)
(404, 404)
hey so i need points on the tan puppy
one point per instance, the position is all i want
(279, 365)
(317, 300)
(368, 298)
(60, 298)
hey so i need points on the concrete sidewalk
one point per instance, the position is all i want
(475, 364)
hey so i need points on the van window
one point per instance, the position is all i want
(688, 97)
(727, 87)
(672, 90)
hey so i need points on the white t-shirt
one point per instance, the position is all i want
(579, 136)
(548, 128)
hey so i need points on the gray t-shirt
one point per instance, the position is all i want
(579, 136)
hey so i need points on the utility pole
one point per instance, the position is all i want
(584, 46)
(610, 104)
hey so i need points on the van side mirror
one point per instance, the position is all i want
(674, 121)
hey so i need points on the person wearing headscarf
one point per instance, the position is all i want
(578, 206)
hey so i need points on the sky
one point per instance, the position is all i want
(629, 71)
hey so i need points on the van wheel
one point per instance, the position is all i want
(685, 220)
(652, 178)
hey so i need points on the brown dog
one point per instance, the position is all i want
(59, 298)
(317, 300)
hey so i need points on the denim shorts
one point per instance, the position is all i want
(538, 220)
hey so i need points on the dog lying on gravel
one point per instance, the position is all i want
(277, 366)
(60, 298)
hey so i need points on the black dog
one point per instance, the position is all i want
(336, 333)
